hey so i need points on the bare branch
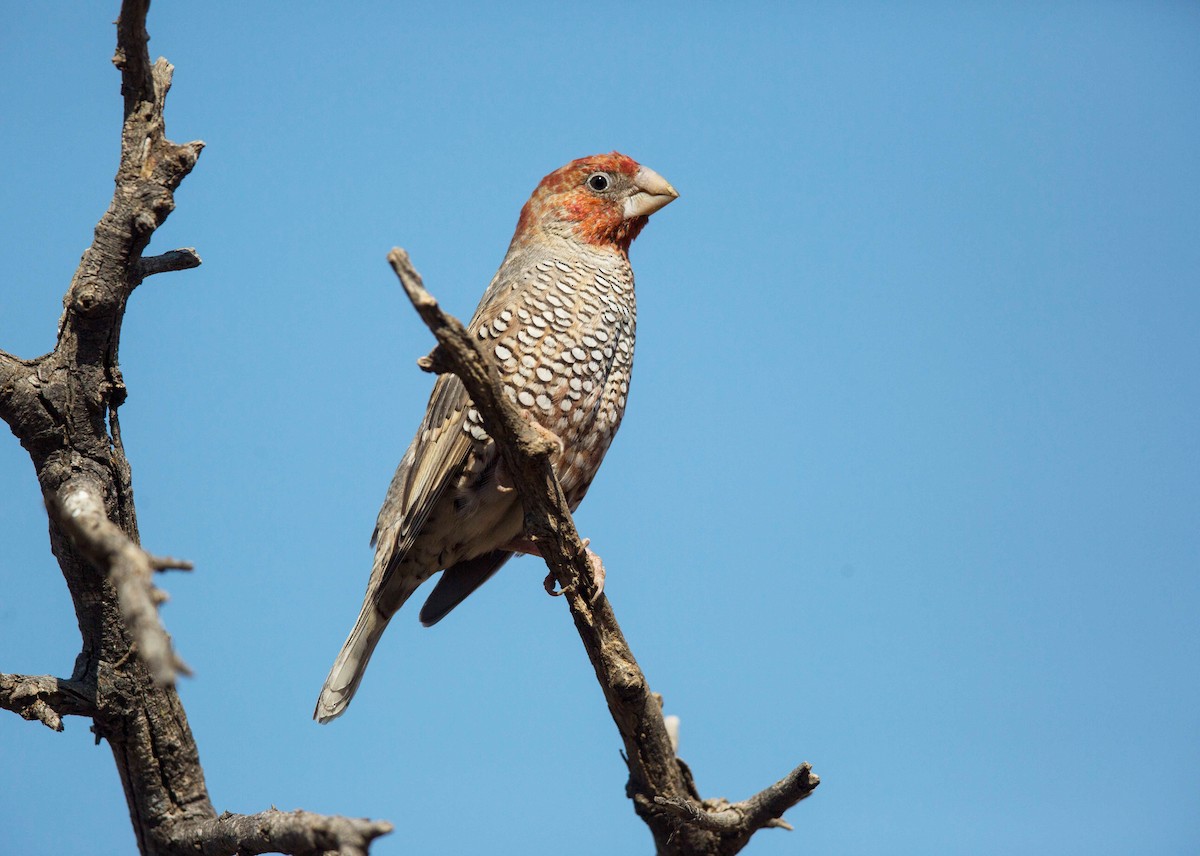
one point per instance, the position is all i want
(657, 778)
(46, 699)
(63, 407)
(182, 259)
(770, 803)
(764, 809)
(726, 820)
(128, 567)
(297, 832)
(20, 407)
(9, 366)
(132, 57)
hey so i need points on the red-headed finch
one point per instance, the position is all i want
(559, 318)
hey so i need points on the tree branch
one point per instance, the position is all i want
(129, 568)
(297, 832)
(771, 802)
(46, 699)
(63, 409)
(9, 365)
(170, 261)
(764, 809)
(654, 769)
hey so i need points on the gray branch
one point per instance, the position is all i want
(300, 833)
(660, 784)
(128, 567)
(770, 803)
(183, 259)
(764, 809)
(46, 699)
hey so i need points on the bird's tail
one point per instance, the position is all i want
(350, 664)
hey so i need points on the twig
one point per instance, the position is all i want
(46, 699)
(771, 802)
(183, 259)
(128, 567)
(300, 833)
(764, 809)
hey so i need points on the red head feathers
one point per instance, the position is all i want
(603, 200)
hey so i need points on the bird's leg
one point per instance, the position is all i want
(598, 573)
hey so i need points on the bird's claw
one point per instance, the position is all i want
(598, 573)
(549, 584)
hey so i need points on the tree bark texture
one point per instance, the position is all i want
(62, 407)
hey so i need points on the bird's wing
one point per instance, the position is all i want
(434, 459)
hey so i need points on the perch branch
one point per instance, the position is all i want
(46, 699)
(129, 568)
(654, 769)
(300, 833)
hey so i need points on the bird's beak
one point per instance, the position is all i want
(653, 192)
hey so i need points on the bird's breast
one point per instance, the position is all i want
(563, 339)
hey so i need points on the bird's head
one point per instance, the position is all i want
(603, 200)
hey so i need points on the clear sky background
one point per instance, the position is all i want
(909, 482)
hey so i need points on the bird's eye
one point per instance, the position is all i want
(598, 181)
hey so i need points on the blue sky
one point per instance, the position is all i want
(909, 482)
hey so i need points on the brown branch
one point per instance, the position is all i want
(9, 366)
(47, 699)
(128, 567)
(764, 809)
(770, 803)
(18, 393)
(654, 769)
(183, 259)
(297, 832)
(724, 820)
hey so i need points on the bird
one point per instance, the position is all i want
(558, 319)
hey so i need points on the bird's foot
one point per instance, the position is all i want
(598, 576)
(598, 573)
